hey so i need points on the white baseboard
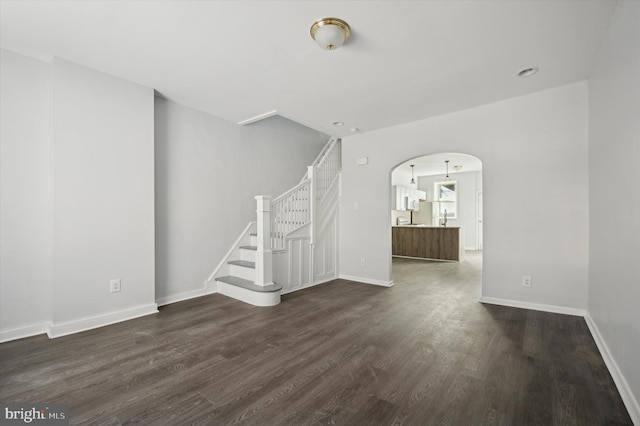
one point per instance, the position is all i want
(533, 306)
(22, 332)
(323, 280)
(633, 407)
(182, 296)
(366, 280)
(84, 324)
(630, 402)
(315, 283)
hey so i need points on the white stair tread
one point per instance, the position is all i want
(239, 282)
(249, 247)
(245, 263)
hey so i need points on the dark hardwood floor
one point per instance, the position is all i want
(422, 352)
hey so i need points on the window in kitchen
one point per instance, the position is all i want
(446, 199)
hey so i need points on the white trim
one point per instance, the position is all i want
(258, 117)
(322, 281)
(629, 400)
(533, 306)
(633, 407)
(366, 280)
(22, 332)
(182, 296)
(255, 298)
(234, 247)
(479, 220)
(84, 324)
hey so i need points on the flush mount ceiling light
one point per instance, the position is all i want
(413, 181)
(528, 72)
(457, 167)
(330, 33)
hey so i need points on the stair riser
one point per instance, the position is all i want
(249, 255)
(248, 296)
(242, 272)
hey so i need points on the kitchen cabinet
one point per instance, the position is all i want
(403, 198)
(426, 242)
(397, 197)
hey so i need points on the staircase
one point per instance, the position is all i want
(293, 243)
(240, 283)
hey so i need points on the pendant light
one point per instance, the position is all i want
(447, 165)
(413, 181)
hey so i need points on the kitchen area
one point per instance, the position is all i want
(433, 203)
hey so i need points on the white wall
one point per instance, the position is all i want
(402, 177)
(515, 139)
(103, 207)
(208, 172)
(614, 200)
(77, 198)
(25, 196)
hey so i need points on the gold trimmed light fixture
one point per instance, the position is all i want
(413, 181)
(330, 33)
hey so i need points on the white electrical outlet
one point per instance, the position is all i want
(115, 285)
(526, 281)
(356, 206)
(363, 261)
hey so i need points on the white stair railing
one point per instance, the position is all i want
(264, 256)
(290, 211)
(327, 169)
(297, 207)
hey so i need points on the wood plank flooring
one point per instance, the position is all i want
(422, 352)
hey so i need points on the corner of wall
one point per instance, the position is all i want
(89, 323)
(633, 407)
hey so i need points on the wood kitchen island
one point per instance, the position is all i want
(428, 242)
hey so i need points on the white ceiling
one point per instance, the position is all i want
(406, 60)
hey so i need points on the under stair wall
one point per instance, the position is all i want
(292, 265)
(325, 266)
(310, 253)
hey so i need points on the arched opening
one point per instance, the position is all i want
(436, 219)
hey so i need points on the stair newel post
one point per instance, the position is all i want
(264, 256)
(312, 203)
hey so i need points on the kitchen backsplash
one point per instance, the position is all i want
(395, 214)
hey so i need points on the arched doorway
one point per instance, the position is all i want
(436, 213)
